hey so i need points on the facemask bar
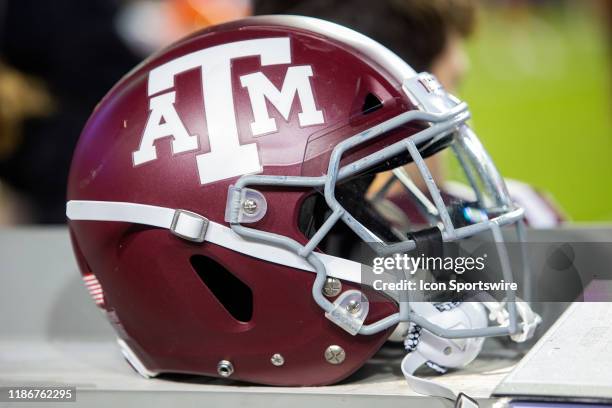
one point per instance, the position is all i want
(429, 209)
(469, 172)
(472, 148)
(442, 125)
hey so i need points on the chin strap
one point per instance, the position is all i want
(425, 348)
(432, 388)
(463, 401)
(438, 353)
(196, 228)
(182, 223)
(409, 365)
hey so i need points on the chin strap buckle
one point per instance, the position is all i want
(189, 225)
(529, 319)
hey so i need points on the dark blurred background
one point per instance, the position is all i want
(535, 73)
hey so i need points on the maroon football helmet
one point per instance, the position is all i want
(219, 190)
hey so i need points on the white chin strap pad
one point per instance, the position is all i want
(447, 353)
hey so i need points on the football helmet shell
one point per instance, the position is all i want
(162, 311)
(286, 105)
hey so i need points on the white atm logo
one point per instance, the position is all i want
(227, 157)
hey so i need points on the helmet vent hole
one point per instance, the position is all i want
(235, 296)
(371, 103)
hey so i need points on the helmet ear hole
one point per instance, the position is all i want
(235, 296)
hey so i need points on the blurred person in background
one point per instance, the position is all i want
(58, 59)
(430, 35)
(78, 50)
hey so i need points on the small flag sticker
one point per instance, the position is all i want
(94, 288)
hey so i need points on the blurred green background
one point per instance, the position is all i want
(539, 86)
(539, 90)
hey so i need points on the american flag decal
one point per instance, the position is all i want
(94, 288)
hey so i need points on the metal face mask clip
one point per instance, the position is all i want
(244, 205)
